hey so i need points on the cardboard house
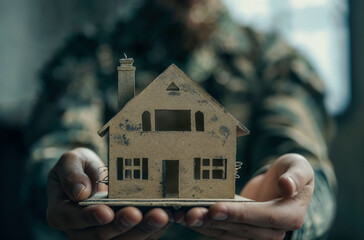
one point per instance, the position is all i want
(173, 140)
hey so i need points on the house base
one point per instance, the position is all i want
(101, 199)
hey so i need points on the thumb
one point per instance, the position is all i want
(294, 172)
(77, 173)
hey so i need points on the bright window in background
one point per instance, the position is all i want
(318, 28)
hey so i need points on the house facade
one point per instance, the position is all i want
(173, 140)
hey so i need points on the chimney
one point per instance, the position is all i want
(126, 81)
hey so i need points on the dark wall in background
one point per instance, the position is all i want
(347, 152)
(12, 152)
(30, 32)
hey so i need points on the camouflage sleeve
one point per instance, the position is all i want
(67, 115)
(291, 117)
(69, 109)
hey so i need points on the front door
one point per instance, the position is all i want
(170, 178)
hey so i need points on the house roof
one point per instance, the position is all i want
(241, 129)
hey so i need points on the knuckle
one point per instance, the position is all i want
(64, 160)
(69, 181)
(71, 178)
(66, 157)
(236, 213)
(240, 217)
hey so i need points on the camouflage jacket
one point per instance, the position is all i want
(260, 79)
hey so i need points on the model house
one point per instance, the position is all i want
(173, 140)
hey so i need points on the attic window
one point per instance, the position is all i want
(172, 120)
(172, 87)
(146, 121)
(199, 120)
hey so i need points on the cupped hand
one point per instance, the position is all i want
(282, 196)
(73, 179)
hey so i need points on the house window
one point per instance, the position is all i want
(199, 120)
(172, 120)
(206, 168)
(132, 168)
(146, 125)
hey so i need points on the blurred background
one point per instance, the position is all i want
(328, 32)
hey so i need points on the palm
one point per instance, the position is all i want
(261, 188)
(272, 184)
(282, 195)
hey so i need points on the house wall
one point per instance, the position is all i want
(127, 140)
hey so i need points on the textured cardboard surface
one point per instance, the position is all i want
(148, 157)
(101, 198)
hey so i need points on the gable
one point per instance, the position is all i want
(173, 89)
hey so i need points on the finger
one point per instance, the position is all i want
(294, 173)
(77, 172)
(153, 221)
(70, 216)
(284, 214)
(94, 167)
(217, 234)
(65, 214)
(199, 218)
(160, 232)
(196, 217)
(125, 219)
(245, 230)
(250, 189)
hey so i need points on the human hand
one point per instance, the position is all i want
(73, 179)
(282, 194)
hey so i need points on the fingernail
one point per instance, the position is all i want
(220, 216)
(152, 223)
(125, 222)
(77, 190)
(97, 217)
(294, 187)
(197, 223)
